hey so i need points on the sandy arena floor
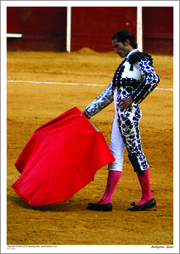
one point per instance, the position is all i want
(29, 105)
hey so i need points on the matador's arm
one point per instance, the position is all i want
(149, 79)
(102, 101)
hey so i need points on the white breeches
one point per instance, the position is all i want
(117, 147)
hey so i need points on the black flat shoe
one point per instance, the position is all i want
(150, 204)
(103, 207)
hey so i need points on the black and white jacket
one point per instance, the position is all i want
(135, 77)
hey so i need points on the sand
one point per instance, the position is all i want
(29, 105)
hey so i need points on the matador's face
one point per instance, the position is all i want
(121, 49)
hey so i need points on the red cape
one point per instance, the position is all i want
(61, 157)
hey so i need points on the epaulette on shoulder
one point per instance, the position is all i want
(137, 56)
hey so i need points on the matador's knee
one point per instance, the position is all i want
(135, 163)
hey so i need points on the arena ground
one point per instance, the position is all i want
(43, 85)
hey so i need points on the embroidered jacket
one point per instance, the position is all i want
(135, 77)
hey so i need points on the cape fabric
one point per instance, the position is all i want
(61, 157)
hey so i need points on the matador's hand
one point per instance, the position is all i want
(84, 112)
(125, 103)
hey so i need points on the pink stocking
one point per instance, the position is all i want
(145, 186)
(112, 181)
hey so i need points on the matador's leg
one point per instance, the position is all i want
(129, 128)
(131, 136)
(115, 169)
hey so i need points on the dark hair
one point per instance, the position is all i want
(123, 35)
